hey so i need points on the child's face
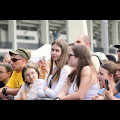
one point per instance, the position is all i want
(102, 75)
(118, 71)
(30, 75)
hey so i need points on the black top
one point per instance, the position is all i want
(1, 84)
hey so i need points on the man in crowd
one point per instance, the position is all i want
(118, 51)
(85, 40)
(19, 59)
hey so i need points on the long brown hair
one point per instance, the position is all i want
(63, 59)
(84, 59)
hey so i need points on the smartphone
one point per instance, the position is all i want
(106, 82)
(43, 58)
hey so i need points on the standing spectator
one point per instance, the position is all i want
(85, 40)
(107, 71)
(118, 51)
(82, 83)
(59, 70)
(28, 91)
(19, 59)
(111, 58)
(5, 73)
(7, 58)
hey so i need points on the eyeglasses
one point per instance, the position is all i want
(15, 59)
(71, 55)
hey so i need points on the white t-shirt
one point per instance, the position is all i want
(56, 86)
(32, 94)
(95, 62)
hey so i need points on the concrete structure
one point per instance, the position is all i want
(31, 34)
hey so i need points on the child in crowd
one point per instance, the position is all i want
(28, 91)
(107, 71)
(5, 73)
(114, 94)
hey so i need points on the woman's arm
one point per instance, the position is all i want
(65, 89)
(23, 95)
(52, 93)
(86, 82)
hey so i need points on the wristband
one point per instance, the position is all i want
(57, 98)
(4, 91)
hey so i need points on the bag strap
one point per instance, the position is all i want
(50, 84)
(98, 58)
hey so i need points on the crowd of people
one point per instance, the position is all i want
(72, 73)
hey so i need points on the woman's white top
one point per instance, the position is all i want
(91, 92)
(33, 88)
(56, 86)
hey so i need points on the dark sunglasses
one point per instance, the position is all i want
(118, 51)
(15, 59)
(71, 55)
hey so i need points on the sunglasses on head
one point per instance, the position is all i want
(15, 59)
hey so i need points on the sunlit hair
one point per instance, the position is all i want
(84, 59)
(30, 65)
(63, 58)
(111, 67)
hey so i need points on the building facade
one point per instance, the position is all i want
(32, 34)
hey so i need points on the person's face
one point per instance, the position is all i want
(80, 41)
(17, 62)
(118, 71)
(30, 75)
(72, 60)
(3, 74)
(118, 53)
(102, 75)
(56, 52)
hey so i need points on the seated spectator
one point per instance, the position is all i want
(59, 71)
(111, 58)
(28, 91)
(5, 73)
(107, 71)
(82, 83)
(19, 59)
(114, 94)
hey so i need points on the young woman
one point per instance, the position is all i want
(28, 91)
(107, 71)
(82, 82)
(59, 70)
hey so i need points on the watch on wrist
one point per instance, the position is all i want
(4, 91)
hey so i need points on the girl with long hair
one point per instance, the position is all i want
(59, 70)
(82, 82)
